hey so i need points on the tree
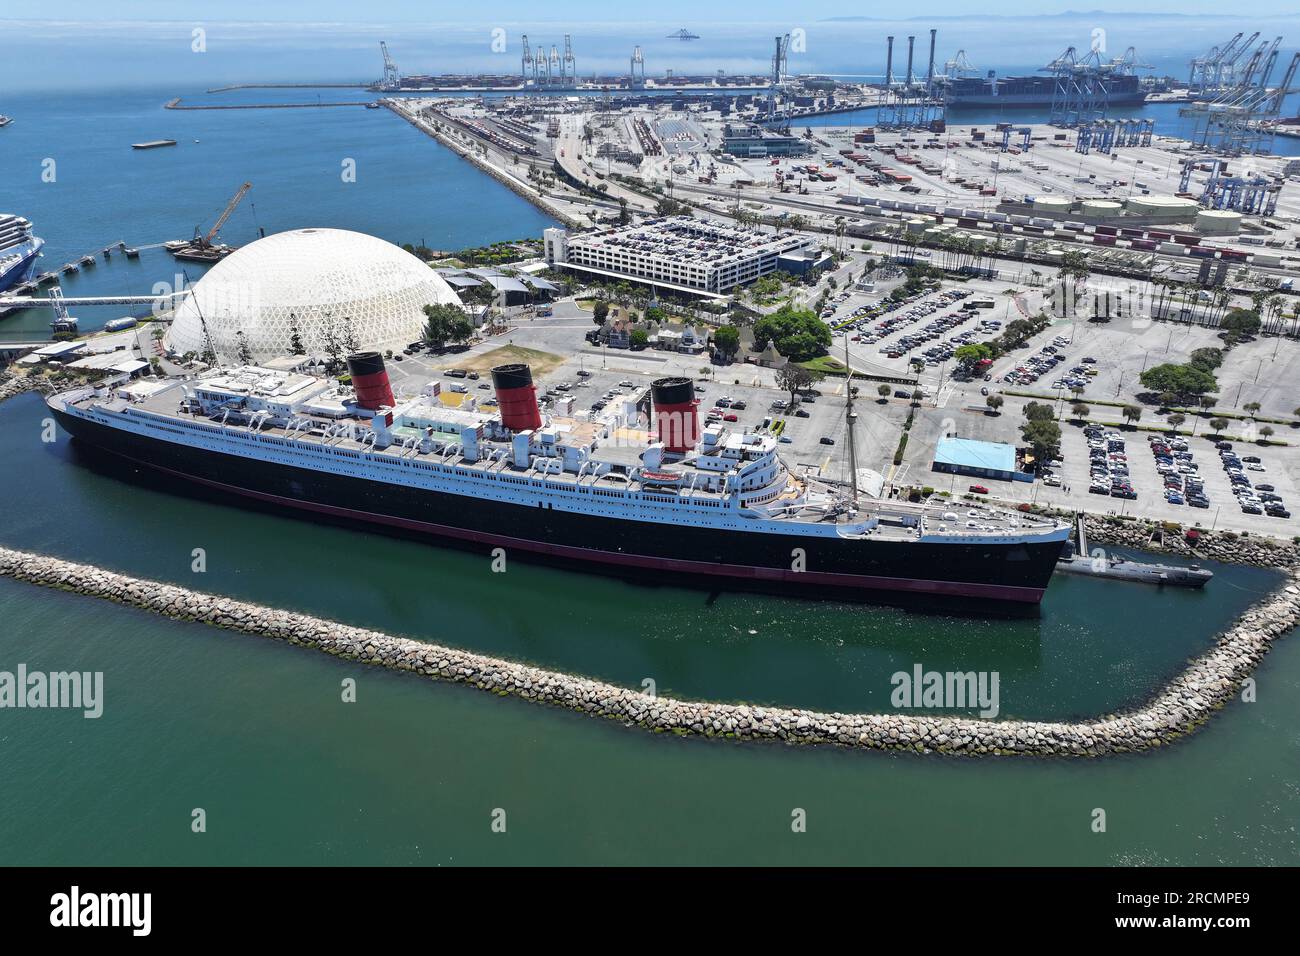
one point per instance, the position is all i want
(1175, 420)
(994, 402)
(295, 339)
(445, 323)
(883, 391)
(1080, 410)
(1241, 322)
(1266, 431)
(795, 378)
(242, 351)
(1218, 424)
(726, 339)
(968, 356)
(917, 396)
(600, 312)
(1207, 359)
(1180, 380)
(1131, 413)
(1038, 412)
(799, 334)
(350, 337)
(1252, 408)
(1044, 437)
(639, 339)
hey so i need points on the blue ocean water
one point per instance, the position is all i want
(67, 164)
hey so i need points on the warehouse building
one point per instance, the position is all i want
(978, 459)
(680, 253)
(755, 141)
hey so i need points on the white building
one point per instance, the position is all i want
(681, 253)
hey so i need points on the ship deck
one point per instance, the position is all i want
(801, 500)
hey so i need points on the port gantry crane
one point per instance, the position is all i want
(392, 81)
(1217, 70)
(1242, 120)
(637, 74)
(528, 65)
(779, 68)
(205, 242)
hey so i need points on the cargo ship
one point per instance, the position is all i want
(19, 250)
(694, 505)
(1012, 92)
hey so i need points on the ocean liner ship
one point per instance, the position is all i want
(19, 250)
(710, 504)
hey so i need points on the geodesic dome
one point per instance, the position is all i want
(326, 283)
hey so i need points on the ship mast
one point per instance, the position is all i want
(850, 417)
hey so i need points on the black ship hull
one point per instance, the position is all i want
(848, 568)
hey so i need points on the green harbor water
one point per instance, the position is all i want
(257, 735)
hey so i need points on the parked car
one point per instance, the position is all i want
(975, 489)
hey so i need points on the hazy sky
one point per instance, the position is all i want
(588, 10)
(77, 44)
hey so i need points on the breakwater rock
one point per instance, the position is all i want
(1231, 547)
(1188, 700)
(11, 385)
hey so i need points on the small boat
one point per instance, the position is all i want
(174, 244)
(154, 144)
(5, 121)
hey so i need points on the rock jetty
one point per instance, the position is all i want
(1232, 547)
(11, 385)
(1187, 701)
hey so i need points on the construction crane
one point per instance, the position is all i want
(683, 34)
(392, 81)
(202, 248)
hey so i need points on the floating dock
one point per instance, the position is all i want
(154, 144)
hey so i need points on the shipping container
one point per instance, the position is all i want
(1105, 230)
(1100, 240)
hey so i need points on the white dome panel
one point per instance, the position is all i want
(325, 282)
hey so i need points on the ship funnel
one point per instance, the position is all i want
(516, 397)
(370, 380)
(676, 419)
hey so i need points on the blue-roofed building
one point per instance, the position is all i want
(979, 459)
